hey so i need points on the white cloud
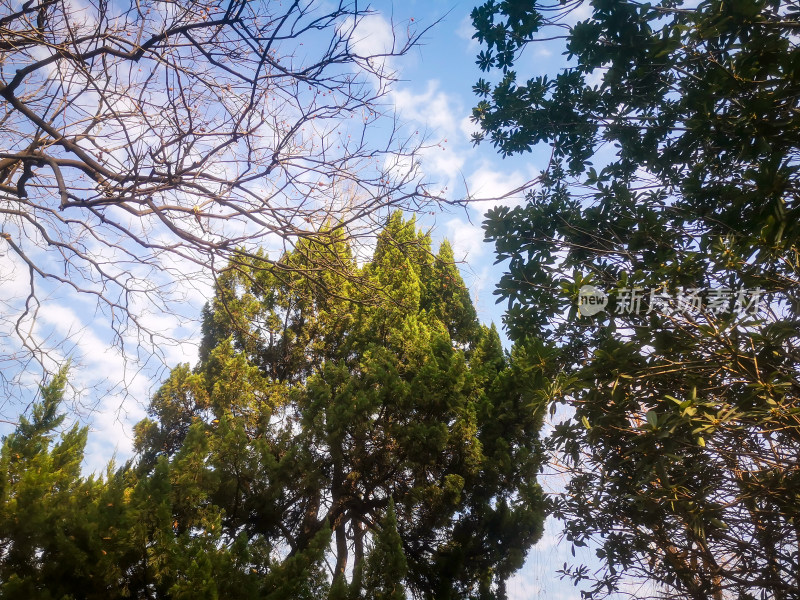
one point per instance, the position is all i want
(596, 77)
(491, 187)
(580, 13)
(466, 239)
(435, 113)
(14, 277)
(111, 433)
(467, 127)
(465, 31)
(372, 38)
(401, 167)
(443, 161)
(372, 35)
(82, 16)
(433, 108)
(538, 578)
(523, 587)
(108, 390)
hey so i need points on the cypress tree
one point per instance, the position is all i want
(362, 420)
(386, 565)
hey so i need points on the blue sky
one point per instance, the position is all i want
(433, 96)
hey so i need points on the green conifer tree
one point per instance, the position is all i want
(328, 400)
(52, 531)
(386, 565)
(336, 440)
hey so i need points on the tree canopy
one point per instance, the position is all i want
(674, 137)
(325, 446)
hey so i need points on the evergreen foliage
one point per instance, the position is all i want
(386, 564)
(683, 448)
(336, 440)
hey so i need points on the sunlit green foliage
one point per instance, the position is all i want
(684, 445)
(355, 435)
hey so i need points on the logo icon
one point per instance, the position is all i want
(591, 300)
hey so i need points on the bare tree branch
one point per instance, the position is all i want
(145, 144)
